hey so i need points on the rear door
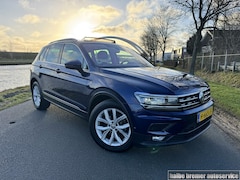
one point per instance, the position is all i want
(49, 69)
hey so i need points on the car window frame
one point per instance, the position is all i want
(59, 54)
(83, 60)
(42, 54)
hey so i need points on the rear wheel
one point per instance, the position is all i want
(110, 126)
(39, 102)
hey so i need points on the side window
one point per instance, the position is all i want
(70, 53)
(53, 53)
(42, 54)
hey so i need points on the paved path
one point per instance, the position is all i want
(57, 145)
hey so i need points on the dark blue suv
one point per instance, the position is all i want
(125, 99)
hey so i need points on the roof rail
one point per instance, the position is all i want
(98, 39)
(134, 45)
(64, 40)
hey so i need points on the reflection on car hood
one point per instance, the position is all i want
(176, 78)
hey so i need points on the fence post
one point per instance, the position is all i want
(189, 62)
(212, 62)
(234, 65)
(218, 66)
(202, 61)
(225, 62)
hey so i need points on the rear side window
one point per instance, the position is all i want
(42, 54)
(53, 53)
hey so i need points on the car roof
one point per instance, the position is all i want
(86, 39)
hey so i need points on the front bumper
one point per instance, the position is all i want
(168, 128)
(170, 139)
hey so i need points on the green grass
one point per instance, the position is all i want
(13, 97)
(226, 97)
(225, 89)
(224, 78)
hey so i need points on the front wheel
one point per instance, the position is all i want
(110, 126)
(39, 102)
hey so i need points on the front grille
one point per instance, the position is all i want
(193, 100)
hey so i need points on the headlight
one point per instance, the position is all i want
(152, 101)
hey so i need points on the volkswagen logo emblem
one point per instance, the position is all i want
(201, 97)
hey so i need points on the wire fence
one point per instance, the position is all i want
(212, 63)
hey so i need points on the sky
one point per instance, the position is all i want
(27, 25)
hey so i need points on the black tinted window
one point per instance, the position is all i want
(53, 53)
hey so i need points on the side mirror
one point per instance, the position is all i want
(75, 64)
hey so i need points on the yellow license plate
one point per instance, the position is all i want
(204, 114)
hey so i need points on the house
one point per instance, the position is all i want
(167, 56)
(179, 53)
(220, 41)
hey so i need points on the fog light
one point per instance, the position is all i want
(158, 138)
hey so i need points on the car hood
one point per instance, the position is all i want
(159, 74)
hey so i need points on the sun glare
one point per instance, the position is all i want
(80, 30)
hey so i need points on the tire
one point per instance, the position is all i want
(111, 127)
(39, 102)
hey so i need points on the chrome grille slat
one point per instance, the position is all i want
(189, 105)
(187, 99)
(192, 100)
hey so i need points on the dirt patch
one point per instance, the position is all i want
(228, 123)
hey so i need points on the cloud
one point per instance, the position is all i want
(4, 38)
(136, 8)
(28, 19)
(84, 21)
(110, 30)
(99, 14)
(25, 4)
(4, 30)
(35, 34)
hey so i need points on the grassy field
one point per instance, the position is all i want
(12, 97)
(225, 78)
(227, 98)
(225, 89)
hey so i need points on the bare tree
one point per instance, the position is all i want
(165, 20)
(206, 14)
(150, 42)
(158, 30)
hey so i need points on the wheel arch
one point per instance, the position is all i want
(32, 81)
(103, 94)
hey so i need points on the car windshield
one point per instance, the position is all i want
(113, 55)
